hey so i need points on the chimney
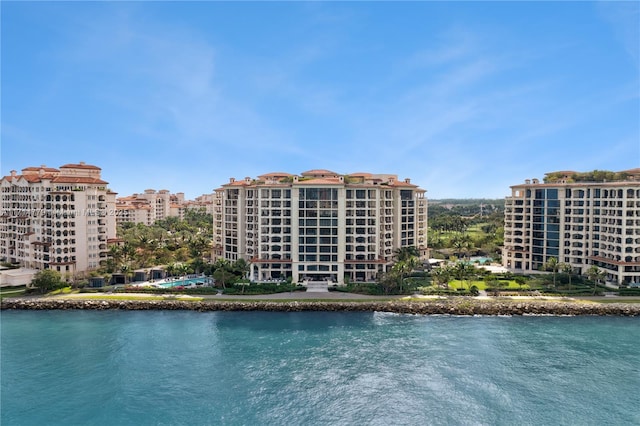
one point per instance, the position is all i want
(407, 180)
(14, 173)
(231, 180)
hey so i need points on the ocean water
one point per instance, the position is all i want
(254, 368)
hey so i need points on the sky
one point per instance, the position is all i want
(466, 99)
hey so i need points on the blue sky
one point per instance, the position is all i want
(466, 99)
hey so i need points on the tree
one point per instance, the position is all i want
(406, 261)
(462, 271)
(595, 274)
(170, 269)
(127, 271)
(389, 281)
(520, 280)
(441, 275)
(221, 271)
(241, 267)
(181, 269)
(461, 245)
(567, 269)
(552, 264)
(47, 280)
(406, 253)
(493, 282)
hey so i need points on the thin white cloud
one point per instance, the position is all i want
(624, 19)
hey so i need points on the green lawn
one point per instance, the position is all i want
(11, 292)
(103, 296)
(511, 285)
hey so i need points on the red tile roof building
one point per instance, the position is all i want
(152, 205)
(56, 219)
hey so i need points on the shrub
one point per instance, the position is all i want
(632, 291)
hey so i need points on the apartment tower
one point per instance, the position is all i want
(56, 218)
(320, 225)
(581, 219)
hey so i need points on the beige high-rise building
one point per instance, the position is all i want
(60, 219)
(579, 223)
(150, 206)
(320, 225)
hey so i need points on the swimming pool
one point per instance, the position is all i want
(185, 282)
(480, 259)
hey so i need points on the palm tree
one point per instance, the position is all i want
(182, 269)
(552, 264)
(115, 253)
(221, 271)
(170, 269)
(406, 253)
(407, 259)
(242, 267)
(567, 269)
(127, 271)
(463, 271)
(128, 251)
(595, 274)
(441, 275)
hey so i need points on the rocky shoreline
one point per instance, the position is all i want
(452, 306)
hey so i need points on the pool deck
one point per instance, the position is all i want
(174, 281)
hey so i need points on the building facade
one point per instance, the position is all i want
(318, 226)
(56, 218)
(578, 223)
(150, 206)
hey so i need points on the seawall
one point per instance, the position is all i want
(453, 306)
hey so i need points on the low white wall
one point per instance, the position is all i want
(16, 277)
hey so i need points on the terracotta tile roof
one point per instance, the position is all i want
(275, 174)
(33, 178)
(30, 177)
(78, 179)
(80, 166)
(360, 174)
(37, 169)
(127, 198)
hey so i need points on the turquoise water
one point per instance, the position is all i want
(180, 282)
(247, 368)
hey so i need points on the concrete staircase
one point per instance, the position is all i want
(317, 286)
